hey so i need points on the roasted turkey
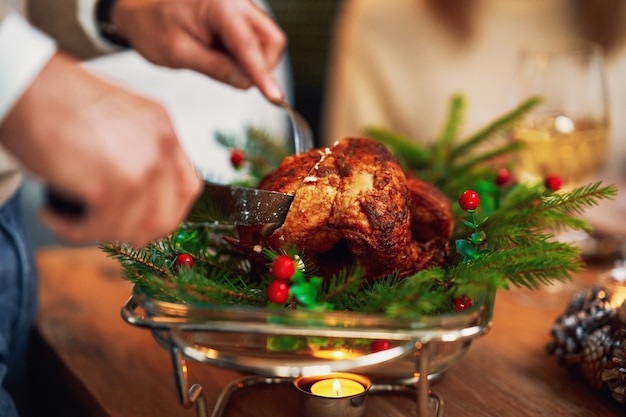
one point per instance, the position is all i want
(353, 204)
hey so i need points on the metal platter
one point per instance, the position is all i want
(246, 339)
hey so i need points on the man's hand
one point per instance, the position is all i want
(232, 41)
(115, 151)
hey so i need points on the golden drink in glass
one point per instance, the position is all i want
(573, 149)
(567, 134)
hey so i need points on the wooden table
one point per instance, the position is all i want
(88, 361)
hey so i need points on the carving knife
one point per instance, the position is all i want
(232, 204)
(220, 203)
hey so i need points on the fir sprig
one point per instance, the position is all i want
(344, 291)
(577, 200)
(424, 293)
(487, 133)
(220, 275)
(521, 216)
(452, 162)
(262, 151)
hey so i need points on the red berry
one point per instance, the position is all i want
(237, 157)
(283, 268)
(469, 200)
(553, 182)
(183, 260)
(277, 292)
(461, 303)
(502, 176)
(380, 345)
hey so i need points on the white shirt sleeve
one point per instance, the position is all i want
(89, 24)
(24, 51)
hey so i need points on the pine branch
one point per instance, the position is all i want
(264, 152)
(227, 141)
(445, 163)
(146, 258)
(487, 133)
(487, 156)
(221, 288)
(211, 281)
(556, 211)
(343, 285)
(451, 128)
(410, 153)
(579, 199)
(360, 295)
(543, 264)
(423, 293)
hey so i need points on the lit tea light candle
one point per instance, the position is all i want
(333, 395)
(337, 387)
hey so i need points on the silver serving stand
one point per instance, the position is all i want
(237, 338)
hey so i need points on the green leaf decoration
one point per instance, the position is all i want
(467, 249)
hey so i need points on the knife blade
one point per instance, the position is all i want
(233, 204)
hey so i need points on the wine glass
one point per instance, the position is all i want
(567, 134)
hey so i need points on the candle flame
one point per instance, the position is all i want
(337, 387)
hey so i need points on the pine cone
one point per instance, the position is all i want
(587, 312)
(614, 374)
(597, 351)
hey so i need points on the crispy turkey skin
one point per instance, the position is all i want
(353, 204)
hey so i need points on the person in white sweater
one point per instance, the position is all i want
(395, 63)
(113, 150)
